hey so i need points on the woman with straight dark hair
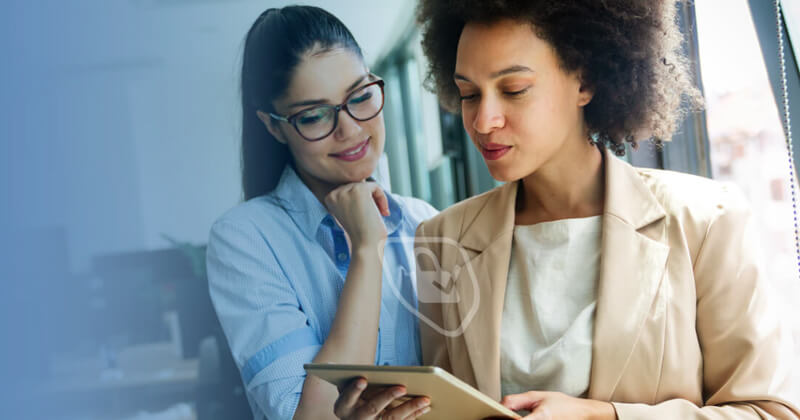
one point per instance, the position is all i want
(315, 266)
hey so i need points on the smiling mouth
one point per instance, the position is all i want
(353, 150)
(353, 153)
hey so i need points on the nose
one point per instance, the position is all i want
(346, 127)
(489, 116)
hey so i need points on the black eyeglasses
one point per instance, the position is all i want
(316, 123)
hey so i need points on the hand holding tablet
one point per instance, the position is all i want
(449, 397)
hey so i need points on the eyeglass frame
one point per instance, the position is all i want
(292, 119)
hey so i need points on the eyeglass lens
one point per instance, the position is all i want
(320, 121)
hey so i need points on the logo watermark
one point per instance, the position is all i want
(434, 284)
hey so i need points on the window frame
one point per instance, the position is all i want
(764, 19)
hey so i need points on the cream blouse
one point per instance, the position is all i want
(548, 316)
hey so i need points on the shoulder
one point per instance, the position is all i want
(255, 240)
(450, 220)
(691, 195)
(699, 206)
(251, 219)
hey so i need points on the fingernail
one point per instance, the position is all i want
(361, 384)
(398, 392)
(425, 402)
(426, 410)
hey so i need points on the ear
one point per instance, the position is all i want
(272, 126)
(585, 95)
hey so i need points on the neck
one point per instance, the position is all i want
(571, 185)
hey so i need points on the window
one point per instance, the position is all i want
(427, 149)
(747, 145)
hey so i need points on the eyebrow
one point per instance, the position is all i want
(506, 71)
(349, 90)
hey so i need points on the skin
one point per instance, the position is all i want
(329, 77)
(515, 93)
(521, 97)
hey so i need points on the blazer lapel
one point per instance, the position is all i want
(481, 284)
(632, 265)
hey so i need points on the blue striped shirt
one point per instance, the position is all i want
(276, 267)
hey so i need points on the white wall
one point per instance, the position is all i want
(144, 138)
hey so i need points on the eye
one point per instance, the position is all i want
(361, 98)
(516, 92)
(312, 116)
(311, 119)
(467, 98)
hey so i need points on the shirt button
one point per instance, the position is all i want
(342, 256)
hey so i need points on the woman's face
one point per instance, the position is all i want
(521, 110)
(351, 152)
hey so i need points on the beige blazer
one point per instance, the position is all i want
(684, 328)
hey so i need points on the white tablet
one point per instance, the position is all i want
(450, 397)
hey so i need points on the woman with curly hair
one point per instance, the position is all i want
(591, 289)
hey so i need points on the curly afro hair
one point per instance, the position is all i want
(627, 51)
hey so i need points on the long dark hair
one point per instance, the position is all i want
(274, 46)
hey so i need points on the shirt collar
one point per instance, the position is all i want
(308, 213)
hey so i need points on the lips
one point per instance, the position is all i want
(494, 151)
(354, 153)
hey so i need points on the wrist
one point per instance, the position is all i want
(601, 410)
(369, 249)
(368, 240)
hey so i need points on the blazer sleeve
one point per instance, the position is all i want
(747, 346)
(434, 345)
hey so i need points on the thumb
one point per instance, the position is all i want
(380, 200)
(526, 401)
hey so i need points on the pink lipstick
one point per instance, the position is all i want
(354, 153)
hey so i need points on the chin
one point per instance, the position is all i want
(502, 174)
(362, 172)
